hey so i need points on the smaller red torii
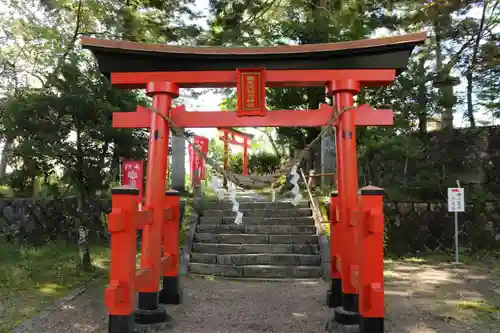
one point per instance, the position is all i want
(229, 137)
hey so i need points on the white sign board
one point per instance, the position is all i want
(456, 199)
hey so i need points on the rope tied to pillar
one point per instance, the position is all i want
(254, 182)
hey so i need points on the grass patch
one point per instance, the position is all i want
(482, 310)
(479, 307)
(185, 224)
(480, 260)
(32, 279)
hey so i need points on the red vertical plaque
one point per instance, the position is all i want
(251, 90)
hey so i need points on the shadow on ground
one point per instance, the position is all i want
(426, 297)
(420, 298)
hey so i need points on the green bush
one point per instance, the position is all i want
(263, 162)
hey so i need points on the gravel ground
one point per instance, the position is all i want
(420, 298)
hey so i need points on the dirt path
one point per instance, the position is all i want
(421, 298)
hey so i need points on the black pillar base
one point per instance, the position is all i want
(334, 295)
(148, 309)
(157, 316)
(121, 324)
(346, 317)
(350, 302)
(371, 325)
(347, 314)
(171, 292)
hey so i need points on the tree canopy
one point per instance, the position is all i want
(55, 107)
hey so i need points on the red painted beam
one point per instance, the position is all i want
(274, 78)
(365, 115)
(140, 118)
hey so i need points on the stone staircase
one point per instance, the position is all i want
(276, 240)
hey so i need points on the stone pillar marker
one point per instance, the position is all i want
(178, 162)
(328, 158)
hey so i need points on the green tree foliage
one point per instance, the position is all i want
(462, 46)
(55, 109)
(69, 126)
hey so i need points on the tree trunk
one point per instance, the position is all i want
(83, 248)
(445, 111)
(5, 156)
(470, 70)
(83, 217)
(422, 99)
(269, 136)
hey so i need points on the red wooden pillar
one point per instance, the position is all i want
(371, 265)
(343, 92)
(148, 302)
(334, 296)
(120, 294)
(245, 157)
(171, 290)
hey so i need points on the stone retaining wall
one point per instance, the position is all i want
(419, 227)
(38, 221)
(410, 227)
(425, 227)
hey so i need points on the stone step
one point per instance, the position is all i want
(257, 259)
(255, 248)
(289, 212)
(256, 205)
(261, 221)
(255, 229)
(255, 238)
(256, 271)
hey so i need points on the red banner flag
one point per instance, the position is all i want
(197, 163)
(132, 175)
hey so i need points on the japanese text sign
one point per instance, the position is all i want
(456, 199)
(251, 91)
(132, 174)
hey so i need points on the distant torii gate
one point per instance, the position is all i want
(229, 137)
(341, 68)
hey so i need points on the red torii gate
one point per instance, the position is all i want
(342, 68)
(229, 136)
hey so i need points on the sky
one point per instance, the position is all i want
(208, 101)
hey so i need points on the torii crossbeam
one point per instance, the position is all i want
(356, 239)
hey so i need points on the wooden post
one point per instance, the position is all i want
(226, 156)
(148, 303)
(120, 294)
(371, 264)
(343, 92)
(226, 150)
(245, 157)
(171, 290)
(334, 296)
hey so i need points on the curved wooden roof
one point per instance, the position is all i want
(379, 53)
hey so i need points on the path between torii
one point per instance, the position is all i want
(420, 298)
